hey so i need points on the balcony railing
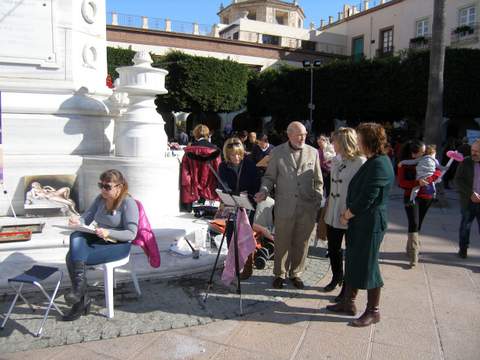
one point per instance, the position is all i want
(144, 22)
(465, 34)
(420, 42)
(385, 52)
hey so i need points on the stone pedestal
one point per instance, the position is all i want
(155, 182)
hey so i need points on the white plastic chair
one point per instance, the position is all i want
(110, 283)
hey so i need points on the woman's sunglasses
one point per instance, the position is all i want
(235, 144)
(105, 186)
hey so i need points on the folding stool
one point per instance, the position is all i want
(34, 276)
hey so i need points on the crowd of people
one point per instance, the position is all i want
(342, 186)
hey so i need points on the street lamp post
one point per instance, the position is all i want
(307, 64)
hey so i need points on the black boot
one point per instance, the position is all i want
(332, 284)
(79, 282)
(372, 312)
(78, 309)
(340, 296)
(347, 306)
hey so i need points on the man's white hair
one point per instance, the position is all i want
(295, 125)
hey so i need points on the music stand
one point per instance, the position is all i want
(238, 202)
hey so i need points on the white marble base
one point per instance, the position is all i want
(155, 182)
(50, 247)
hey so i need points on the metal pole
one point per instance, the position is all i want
(311, 94)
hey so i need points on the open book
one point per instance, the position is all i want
(90, 229)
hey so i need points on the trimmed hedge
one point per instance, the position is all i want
(369, 90)
(195, 84)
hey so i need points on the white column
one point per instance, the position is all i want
(322, 23)
(366, 4)
(330, 19)
(168, 25)
(195, 29)
(144, 22)
(114, 18)
(215, 31)
(140, 130)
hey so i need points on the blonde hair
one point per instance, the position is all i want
(233, 146)
(346, 139)
(201, 131)
(116, 177)
(430, 149)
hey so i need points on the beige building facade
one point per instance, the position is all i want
(271, 22)
(396, 25)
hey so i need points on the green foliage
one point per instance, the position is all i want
(195, 84)
(117, 57)
(202, 84)
(369, 90)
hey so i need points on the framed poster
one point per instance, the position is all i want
(51, 192)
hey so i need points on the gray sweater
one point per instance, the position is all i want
(122, 224)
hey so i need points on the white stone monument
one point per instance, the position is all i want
(140, 142)
(56, 118)
(53, 83)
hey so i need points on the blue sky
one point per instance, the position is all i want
(205, 11)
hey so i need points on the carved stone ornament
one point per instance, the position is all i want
(89, 55)
(89, 11)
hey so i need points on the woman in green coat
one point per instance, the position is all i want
(366, 216)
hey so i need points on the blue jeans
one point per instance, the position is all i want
(469, 214)
(92, 250)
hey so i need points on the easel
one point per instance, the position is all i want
(5, 192)
(230, 200)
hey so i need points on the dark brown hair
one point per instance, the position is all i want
(116, 177)
(373, 138)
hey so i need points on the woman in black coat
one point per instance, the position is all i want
(240, 174)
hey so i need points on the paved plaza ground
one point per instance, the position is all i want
(430, 312)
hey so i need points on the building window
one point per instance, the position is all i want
(467, 16)
(252, 15)
(386, 41)
(235, 35)
(225, 20)
(299, 23)
(309, 45)
(422, 28)
(271, 39)
(281, 18)
(357, 48)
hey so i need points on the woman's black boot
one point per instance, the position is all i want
(79, 281)
(78, 309)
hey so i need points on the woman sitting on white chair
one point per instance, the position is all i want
(115, 214)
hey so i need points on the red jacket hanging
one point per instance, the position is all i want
(197, 180)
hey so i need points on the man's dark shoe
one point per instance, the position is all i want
(297, 282)
(278, 283)
(462, 253)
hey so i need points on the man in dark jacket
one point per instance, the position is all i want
(467, 180)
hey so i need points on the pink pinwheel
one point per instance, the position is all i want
(454, 155)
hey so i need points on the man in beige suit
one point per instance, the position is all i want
(294, 172)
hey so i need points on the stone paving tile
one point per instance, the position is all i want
(233, 353)
(259, 337)
(460, 344)
(179, 347)
(320, 345)
(120, 348)
(165, 304)
(384, 351)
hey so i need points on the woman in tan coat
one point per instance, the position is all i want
(344, 166)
